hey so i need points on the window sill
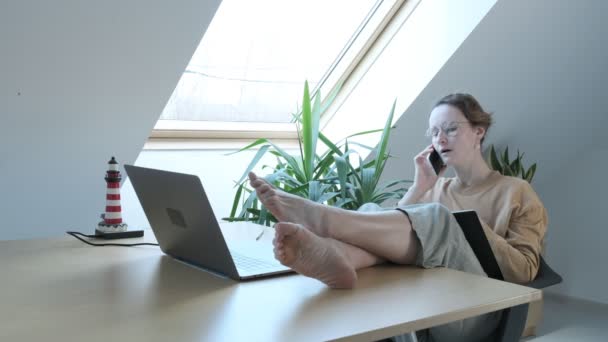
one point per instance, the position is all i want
(181, 144)
(177, 129)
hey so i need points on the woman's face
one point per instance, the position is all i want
(453, 136)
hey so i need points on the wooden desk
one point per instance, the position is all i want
(64, 290)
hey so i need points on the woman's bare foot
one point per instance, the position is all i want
(313, 256)
(290, 208)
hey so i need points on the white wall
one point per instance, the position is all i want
(542, 67)
(81, 81)
(576, 244)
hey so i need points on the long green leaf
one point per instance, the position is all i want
(343, 202)
(342, 169)
(329, 144)
(314, 191)
(253, 144)
(282, 176)
(236, 201)
(505, 156)
(516, 164)
(250, 203)
(530, 173)
(316, 117)
(293, 162)
(347, 154)
(506, 169)
(367, 147)
(300, 190)
(381, 155)
(235, 219)
(323, 168)
(364, 133)
(263, 215)
(254, 211)
(277, 151)
(261, 152)
(326, 196)
(368, 184)
(494, 160)
(307, 134)
(346, 157)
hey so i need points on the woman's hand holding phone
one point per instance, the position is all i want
(424, 179)
(426, 165)
(436, 161)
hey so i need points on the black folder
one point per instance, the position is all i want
(473, 232)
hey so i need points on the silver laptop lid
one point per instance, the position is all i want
(181, 218)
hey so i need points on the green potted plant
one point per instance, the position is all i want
(502, 163)
(337, 177)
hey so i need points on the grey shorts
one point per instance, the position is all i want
(442, 244)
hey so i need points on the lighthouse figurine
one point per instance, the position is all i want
(112, 219)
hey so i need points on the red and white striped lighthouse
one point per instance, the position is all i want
(112, 219)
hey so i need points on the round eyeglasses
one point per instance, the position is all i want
(450, 129)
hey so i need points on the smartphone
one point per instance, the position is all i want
(436, 161)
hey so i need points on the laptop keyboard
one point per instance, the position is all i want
(251, 264)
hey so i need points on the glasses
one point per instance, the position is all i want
(449, 128)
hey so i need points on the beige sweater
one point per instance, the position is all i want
(513, 217)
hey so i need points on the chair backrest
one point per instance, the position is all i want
(473, 232)
(513, 320)
(545, 277)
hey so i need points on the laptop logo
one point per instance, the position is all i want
(177, 218)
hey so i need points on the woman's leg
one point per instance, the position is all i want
(331, 261)
(386, 234)
(431, 238)
(443, 244)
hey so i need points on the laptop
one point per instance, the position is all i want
(186, 228)
(473, 232)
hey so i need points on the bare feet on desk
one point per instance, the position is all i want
(313, 256)
(290, 208)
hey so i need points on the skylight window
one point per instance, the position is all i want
(255, 56)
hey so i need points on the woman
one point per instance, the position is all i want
(330, 244)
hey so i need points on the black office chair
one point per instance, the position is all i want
(513, 320)
(545, 277)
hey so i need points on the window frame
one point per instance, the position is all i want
(357, 56)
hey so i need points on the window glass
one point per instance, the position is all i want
(255, 56)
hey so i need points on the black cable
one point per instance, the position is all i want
(75, 234)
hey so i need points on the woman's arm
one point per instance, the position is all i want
(424, 178)
(412, 196)
(518, 253)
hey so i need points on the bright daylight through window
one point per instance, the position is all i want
(251, 65)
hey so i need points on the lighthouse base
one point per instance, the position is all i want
(119, 235)
(112, 228)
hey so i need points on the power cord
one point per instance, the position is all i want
(75, 234)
